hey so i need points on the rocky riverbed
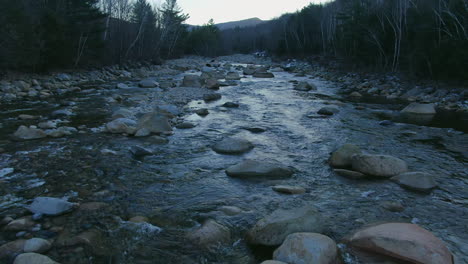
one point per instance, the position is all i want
(233, 160)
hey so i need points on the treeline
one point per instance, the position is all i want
(38, 35)
(424, 37)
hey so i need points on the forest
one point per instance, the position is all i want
(425, 38)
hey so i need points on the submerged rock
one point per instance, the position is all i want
(305, 86)
(288, 189)
(416, 181)
(230, 210)
(328, 111)
(273, 229)
(342, 157)
(232, 76)
(51, 206)
(211, 97)
(263, 75)
(307, 248)
(185, 125)
(402, 241)
(254, 168)
(378, 165)
(230, 105)
(233, 146)
(419, 109)
(210, 233)
(350, 174)
(155, 123)
(29, 133)
(121, 125)
(21, 224)
(202, 112)
(191, 80)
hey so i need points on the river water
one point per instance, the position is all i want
(185, 183)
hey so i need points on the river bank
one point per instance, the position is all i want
(186, 162)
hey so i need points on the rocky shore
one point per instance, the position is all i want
(233, 160)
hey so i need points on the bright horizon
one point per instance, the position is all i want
(201, 11)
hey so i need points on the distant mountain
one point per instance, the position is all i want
(241, 23)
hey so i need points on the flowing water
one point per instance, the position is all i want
(185, 183)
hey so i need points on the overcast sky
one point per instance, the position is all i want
(201, 11)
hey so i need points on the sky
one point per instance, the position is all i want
(201, 11)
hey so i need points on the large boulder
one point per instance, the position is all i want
(191, 80)
(33, 258)
(378, 165)
(419, 109)
(155, 122)
(29, 133)
(210, 233)
(341, 158)
(405, 242)
(273, 229)
(306, 248)
(233, 146)
(51, 206)
(416, 181)
(121, 125)
(254, 168)
(232, 76)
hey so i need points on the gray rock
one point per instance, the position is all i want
(172, 109)
(230, 210)
(47, 125)
(416, 181)
(263, 75)
(419, 109)
(232, 76)
(230, 105)
(155, 122)
(21, 224)
(212, 83)
(307, 248)
(185, 125)
(350, 174)
(378, 165)
(210, 233)
(29, 133)
(253, 168)
(233, 146)
(122, 113)
(11, 249)
(287, 189)
(202, 112)
(61, 131)
(63, 77)
(328, 111)
(273, 229)
(139, 152)
(121, 86)
(27, 117)
(37, 245)
(33, 258)
(211, 97)
(143, 132)
(121, 125)
(341, 158)
(191, 81)
(62, 113)
(51, 206)
(148, 83)
(305, 86)
(355, 94)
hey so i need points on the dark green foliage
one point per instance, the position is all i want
(427, 38)
(204, 40)
(46, 34)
